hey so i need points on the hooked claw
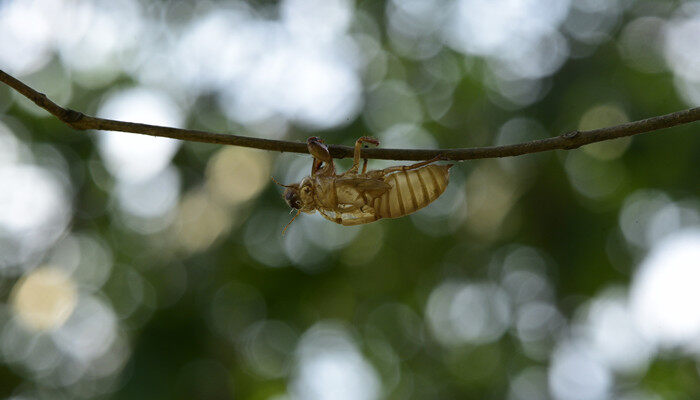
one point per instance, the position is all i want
(318, 150)
(367, 139)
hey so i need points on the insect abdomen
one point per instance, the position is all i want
(411, 190)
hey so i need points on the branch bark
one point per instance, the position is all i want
(566, 141)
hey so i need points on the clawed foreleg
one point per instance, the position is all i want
(320, 153)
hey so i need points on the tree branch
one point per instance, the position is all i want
(566, 141)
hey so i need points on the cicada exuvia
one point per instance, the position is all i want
(355, 197)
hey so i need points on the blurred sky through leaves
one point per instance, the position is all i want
(141, 267)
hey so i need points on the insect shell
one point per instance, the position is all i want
(354, 198)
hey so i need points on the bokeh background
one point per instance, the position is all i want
(139, 267)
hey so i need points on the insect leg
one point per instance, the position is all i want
(359, 221)
(412, 166)
(320, 153)
(356, 154)
(337, 220)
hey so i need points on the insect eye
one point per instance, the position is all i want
(292, 198)
(296, 204)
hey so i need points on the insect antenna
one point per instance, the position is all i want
(290, 222)
(275, 180)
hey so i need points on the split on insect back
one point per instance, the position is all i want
(354, 197)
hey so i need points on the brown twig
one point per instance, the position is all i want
(566, 141)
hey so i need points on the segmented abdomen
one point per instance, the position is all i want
(411, 190)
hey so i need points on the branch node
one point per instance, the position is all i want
(41, 99)
(71, 116)
(571, 135)
(570, 138)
